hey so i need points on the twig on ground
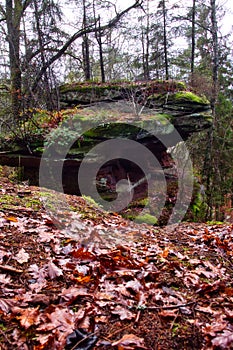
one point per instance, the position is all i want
(170, 306)
(10, 269)
(117, 331)
(137, 317)
(82, 340)
(4, 335)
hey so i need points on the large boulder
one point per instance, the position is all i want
(187, 111)
(152, 114)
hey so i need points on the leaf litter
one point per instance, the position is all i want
(98, 281)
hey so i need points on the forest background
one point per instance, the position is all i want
(43, 46)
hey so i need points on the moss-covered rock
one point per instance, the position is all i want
(87, 93)
(148, 113)
(153, 106)
(147, 219)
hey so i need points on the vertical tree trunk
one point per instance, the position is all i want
(213, 164)
(49, 101)
(99, 41)
(101, 55)
(193, 40)
(146, 45)
(165, 38)
(85, 46)
(215, 64)
(13, 18)
(98, 36)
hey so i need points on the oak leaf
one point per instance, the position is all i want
(129, 339)
(22, 256)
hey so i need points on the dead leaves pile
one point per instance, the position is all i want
(152, 289)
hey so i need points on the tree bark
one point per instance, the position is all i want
(193, 47)
(99, 40)
(98, 36)
(49, 102)
(85, 46)
(212, 167)
(146, 45)
(165, 39)
(13, 18)
(215, 64)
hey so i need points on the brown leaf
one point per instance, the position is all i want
(82, 254)
(53, 270)
(133, 285)
(129, 339)
(229, 291)
(4, 279)
(71, 293)
(28, 317)
(22, 256)
(168, 313)
(61, 319)
(6, 304)
(123, 313)
(165, 253)
(224, 341)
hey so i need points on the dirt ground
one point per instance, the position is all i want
(87, 279)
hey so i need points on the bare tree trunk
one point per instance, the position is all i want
(98, 36)
(215, 64)
(13, 18)
(101, 55)
(213, 164)
(85, 46)
(193, 40)
(165, 38)
(48, 95)
(146, 45)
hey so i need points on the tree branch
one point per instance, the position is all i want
(25, 4)
(79, 34)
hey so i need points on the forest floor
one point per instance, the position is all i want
(93, 280)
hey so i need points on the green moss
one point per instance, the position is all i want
(91, 202)
(181, 85)
(88, 88)
(8, 201)
(3, 327)
(139, 203)
(180, 98)
(99, 88)
(215, 223)
(188, 96)
(147, 219)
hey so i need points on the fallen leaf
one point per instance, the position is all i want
(129, 339)
(168, 313)
(123, 313)
(22, 256)
(224, 341)
(165, 253)
(83, 279)
(11, 218)
(53, 270)
(6, 305)
(28, 317)
(134, 285)
(4, 279)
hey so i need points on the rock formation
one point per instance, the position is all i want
(150, 113)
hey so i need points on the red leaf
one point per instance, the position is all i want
(82, 254)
